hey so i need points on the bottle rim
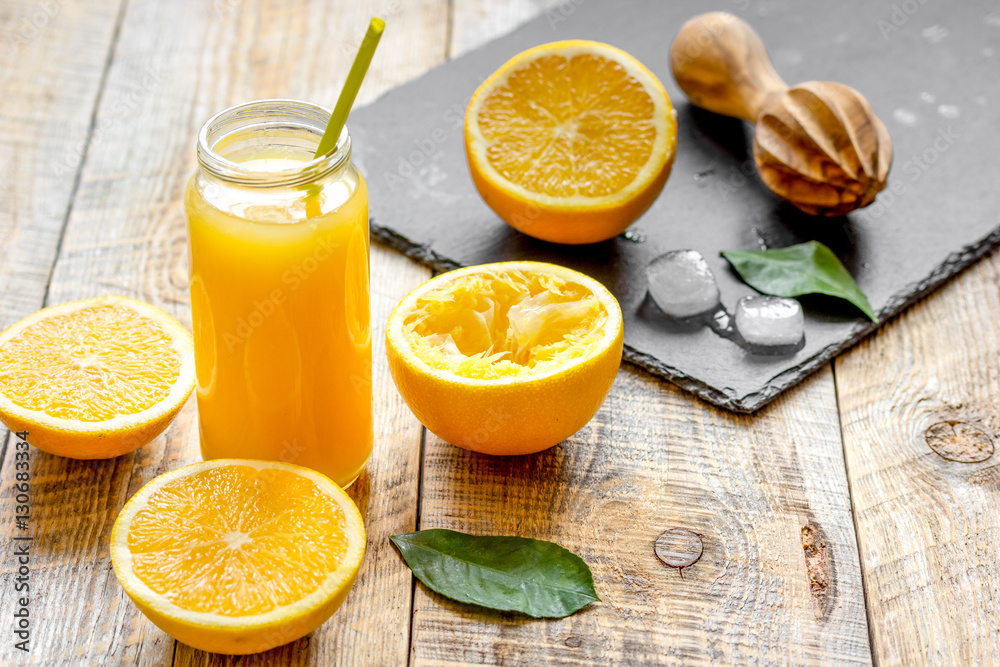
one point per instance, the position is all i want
(261, 117)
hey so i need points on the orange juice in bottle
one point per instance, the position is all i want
(279, 291)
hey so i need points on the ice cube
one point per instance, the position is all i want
(770, 324)
(681, 284)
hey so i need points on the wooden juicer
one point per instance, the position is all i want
(817, 145)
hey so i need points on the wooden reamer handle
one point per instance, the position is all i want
(721, 64)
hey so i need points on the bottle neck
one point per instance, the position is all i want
(285, 133)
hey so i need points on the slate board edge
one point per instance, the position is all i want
(951, 266)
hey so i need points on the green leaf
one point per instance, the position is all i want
(806, 268)
(534, 577)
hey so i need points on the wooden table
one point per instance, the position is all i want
(853, 521)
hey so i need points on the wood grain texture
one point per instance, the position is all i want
(714, 538)
(721, 64)
(52, 59)
(919, 407)
(52, 56)
(760, 492)
(778, 579)
(475, 22)
(175, 65)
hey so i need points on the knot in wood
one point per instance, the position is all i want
(959, 441)
(679, 547)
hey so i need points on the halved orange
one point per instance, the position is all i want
(238, 556)
(95, 378)
(507, 358)
(571, 141)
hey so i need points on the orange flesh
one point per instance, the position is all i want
(505, 324)
(90, 366)
(237, 541)
(553, 125)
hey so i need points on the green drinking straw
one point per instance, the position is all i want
(346, 100)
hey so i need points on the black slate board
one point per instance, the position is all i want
(932, 75)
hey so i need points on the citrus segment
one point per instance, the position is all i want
(109, 361)
(504, 324)
(238, 556)
(507, 358)
(570, 141)
(94, 378)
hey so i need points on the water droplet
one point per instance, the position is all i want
(788, 57)
(934, 33)
(927, 97)
(948, 110)
(722, 320)
(701, 177)
(761, 241)
(905, 116)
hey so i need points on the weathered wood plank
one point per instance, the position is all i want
(778, 580)
(52, 60)
(474, 22)
(758, 490)
(919, 407)
(52, 57)
(177, 63)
